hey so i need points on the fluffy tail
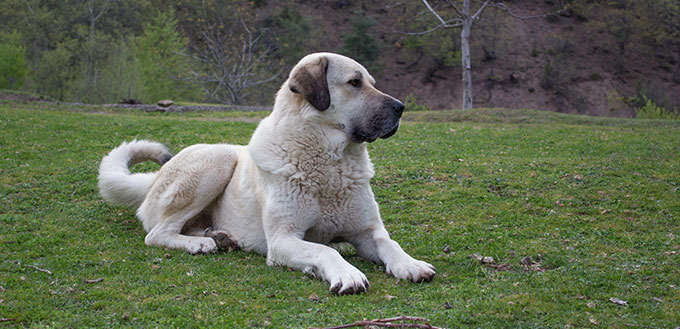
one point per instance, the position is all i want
(117, 184)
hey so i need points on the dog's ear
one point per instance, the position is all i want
(310, 82)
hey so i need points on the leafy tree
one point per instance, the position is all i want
(297, 35)
(55, 72)
(358, 44)
(669, 12)
(159, 60)
(13, 67)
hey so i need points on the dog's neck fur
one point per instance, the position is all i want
(293, 132)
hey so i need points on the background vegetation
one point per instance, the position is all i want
(596, 57)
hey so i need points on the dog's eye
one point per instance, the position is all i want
(355, 82)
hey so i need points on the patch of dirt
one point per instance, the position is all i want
(17, 97)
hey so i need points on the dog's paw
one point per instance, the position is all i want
(222, 239)
(202, 246)
(412, 269)
(349, 281)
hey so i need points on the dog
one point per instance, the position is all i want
(300, 184)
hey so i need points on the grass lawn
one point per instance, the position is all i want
(533, 219)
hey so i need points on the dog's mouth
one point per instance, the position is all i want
(360, 137)
(391, 132)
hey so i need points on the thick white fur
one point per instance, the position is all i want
(300, 183)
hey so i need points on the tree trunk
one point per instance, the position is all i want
(90, 55)
(465, 52)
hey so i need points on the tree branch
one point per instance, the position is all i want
(478, 14)
(502, 7)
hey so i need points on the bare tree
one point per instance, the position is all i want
(93, 15)
(232, 59)
(464, 17)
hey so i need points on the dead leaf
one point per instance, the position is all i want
(618, 301)
(593, 321)
(526, 260)
(155, 267)
(390, 297)
(314, 297)
(446, 249)
(590, 304)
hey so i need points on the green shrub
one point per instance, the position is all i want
(13, 67)
(651, 110)
(412, 105)
(359, 45)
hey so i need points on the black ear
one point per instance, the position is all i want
(310, 82)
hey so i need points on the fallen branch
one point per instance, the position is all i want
(388, 323)
(40, 269)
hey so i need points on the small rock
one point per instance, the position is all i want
(165, 103)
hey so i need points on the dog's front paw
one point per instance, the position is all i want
(349, 281)
(202, 246)
(412, 269)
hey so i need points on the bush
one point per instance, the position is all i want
(13, 67)
(651, 110)
(411, 104)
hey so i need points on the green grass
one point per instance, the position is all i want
(594, 202)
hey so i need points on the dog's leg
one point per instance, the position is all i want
(184, 188)
(285, 246)
(319, 260)
(167, 235)
(376, 245)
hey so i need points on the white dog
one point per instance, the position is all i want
(301, 183)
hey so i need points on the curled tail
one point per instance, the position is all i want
(117, 184)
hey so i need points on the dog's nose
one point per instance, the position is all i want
(398, 107)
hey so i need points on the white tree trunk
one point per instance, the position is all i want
(467, 69)
(465, 52)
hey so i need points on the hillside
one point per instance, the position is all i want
(560, 64)
(603, 58)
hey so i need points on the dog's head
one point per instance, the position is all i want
(340, 92)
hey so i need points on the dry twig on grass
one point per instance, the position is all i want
(39, 269)
(389, 323)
